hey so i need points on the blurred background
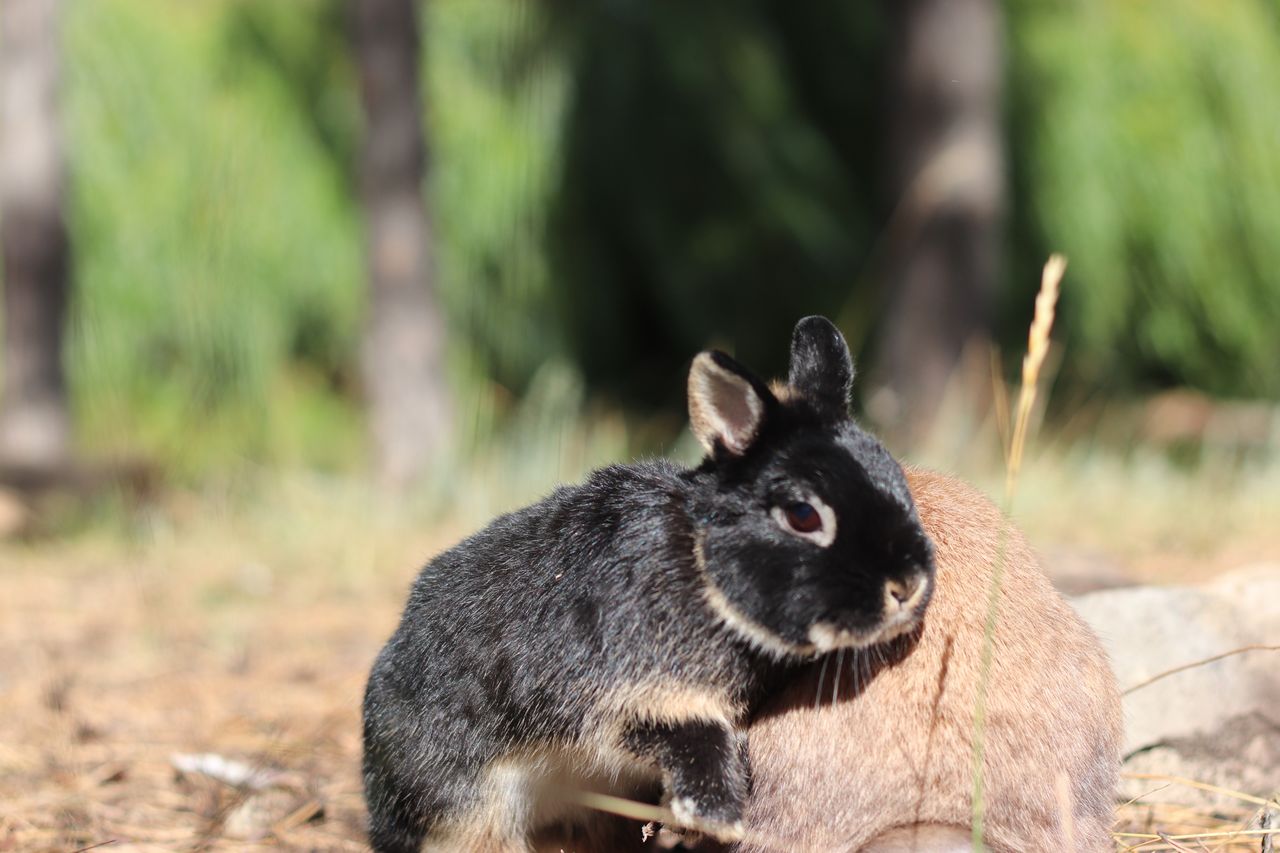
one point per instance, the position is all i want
(297, 292)
(368, 238)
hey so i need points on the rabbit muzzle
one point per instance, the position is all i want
(904, 605)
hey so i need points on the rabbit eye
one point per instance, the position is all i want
(803, 518)
(810, 519)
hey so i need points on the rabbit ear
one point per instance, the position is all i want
(726, 403)
(821, 367)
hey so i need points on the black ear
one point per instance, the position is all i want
(726, 403)
(821, 367)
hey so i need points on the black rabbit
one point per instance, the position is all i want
(613, 636)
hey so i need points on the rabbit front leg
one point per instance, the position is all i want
(705, 765)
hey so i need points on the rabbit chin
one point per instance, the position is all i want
(827, 636)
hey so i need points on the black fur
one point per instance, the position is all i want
(707, 763)
(586, 626)
(821, 367)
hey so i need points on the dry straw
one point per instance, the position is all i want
(656, 814)
(1032, 362)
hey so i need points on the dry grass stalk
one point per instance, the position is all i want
(1193, 836)
(1184, 667)
(1066, 808)
(620, 806)
(1150, 827)
(634, 810)
(1032, 362)
(1000, 401)
(1203, 786)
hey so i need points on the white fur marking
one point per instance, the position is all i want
(762, 637)
(686, 810)
(827, 637)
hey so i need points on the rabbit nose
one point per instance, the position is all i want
(903, 594)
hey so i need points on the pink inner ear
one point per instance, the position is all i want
(739, 408)
(723, 406)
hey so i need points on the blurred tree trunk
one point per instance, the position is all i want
(403, 353)
(947, 172)
(34, 421)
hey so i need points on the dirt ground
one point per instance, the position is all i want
(241, 633)
(108, 677)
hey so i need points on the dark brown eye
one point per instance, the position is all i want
(803, 518)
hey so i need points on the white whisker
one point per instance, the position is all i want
(835, 687)
(822, 676)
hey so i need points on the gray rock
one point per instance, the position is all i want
(1151, 630)
(1242, 755)
(1218, 722)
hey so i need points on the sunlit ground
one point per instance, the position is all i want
(241, 621)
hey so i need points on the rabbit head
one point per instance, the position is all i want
(805, 529)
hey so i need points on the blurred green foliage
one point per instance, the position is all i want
(495, 103)
(216, 253)
(217, 236)
(719, 180)
(614, 185)
(1146, 138)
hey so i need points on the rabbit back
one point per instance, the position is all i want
(895, 747)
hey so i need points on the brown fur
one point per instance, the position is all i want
(896, 748)
(658, 701)
(930, 837)
(784, 392)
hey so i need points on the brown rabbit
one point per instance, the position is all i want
(882, 759)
